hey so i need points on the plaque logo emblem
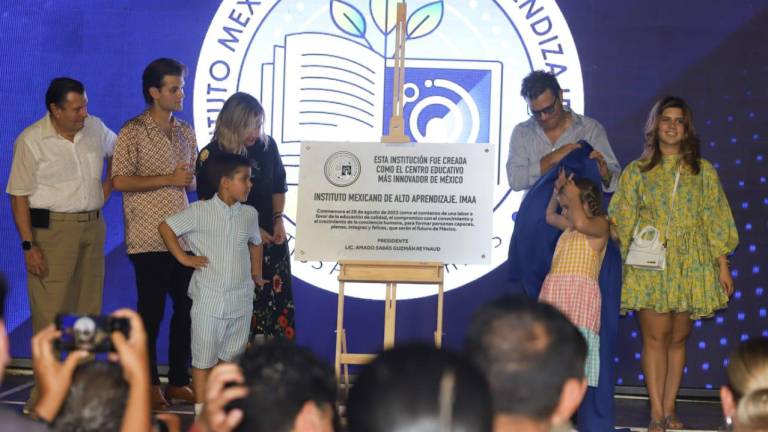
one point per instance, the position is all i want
(342, 169)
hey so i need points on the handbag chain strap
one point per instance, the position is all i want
(672, 203)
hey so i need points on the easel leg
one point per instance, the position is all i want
(439, 331)
(339, 330)
(345, 366)
(389, 315)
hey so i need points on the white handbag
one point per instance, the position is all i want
(647, 254)
(650, 253)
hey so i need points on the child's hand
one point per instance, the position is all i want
(570, 190)
(258, 280)
(560, 181)
(195, 262)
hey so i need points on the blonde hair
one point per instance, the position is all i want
(234, 120)
(748, 380)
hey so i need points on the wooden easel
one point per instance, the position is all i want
(390, 273)
(396, 125)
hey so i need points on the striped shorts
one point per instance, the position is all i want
(215, 338)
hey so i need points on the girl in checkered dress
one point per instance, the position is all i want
(571, 284)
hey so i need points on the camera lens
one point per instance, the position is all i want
(85, 331)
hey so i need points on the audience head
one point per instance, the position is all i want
(533, 358)
(419, 388)
(67, 105)
(289, 389)
(544, 97)
(239, 124)
(96, 399)
(745, 398)
(668, 110)
(162, 84)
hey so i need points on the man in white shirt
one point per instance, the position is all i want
(57, 193)
(553, 131)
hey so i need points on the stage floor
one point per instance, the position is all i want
(631, 411)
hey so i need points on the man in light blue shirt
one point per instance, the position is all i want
(220, 232)
(553, 131)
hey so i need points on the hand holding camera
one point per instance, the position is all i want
(131, 346)
(123, 332)
(224, 385)
(52, 376)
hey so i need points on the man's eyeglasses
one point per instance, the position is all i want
(546, 110)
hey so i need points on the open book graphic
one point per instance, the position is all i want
(332, 88)
(323, 87)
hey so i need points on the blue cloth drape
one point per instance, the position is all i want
(530, 257)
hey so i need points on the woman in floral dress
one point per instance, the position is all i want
(696, 280)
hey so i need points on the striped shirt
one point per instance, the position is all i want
(221, 233)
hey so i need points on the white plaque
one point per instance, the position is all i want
(402, 202)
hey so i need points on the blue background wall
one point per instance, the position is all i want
(631, 52)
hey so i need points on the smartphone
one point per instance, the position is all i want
(88, 332)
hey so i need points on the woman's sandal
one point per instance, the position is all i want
(657, 426)
(673, 422)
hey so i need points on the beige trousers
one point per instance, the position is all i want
(73, 247)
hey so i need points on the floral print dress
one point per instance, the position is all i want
(701, 228)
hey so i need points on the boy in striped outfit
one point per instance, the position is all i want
(220, 232)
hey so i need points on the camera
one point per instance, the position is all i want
(88, 332)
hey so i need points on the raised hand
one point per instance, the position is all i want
(52, 377)
(561, 180)
(132, 354)
(570, 190)
(223, 386)
(131, 351)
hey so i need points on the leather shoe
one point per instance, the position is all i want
(158, 400)
(184, 393)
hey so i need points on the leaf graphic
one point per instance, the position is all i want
(384, 13)
(425, 20)
(347, 18)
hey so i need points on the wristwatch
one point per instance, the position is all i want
(26, 245)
